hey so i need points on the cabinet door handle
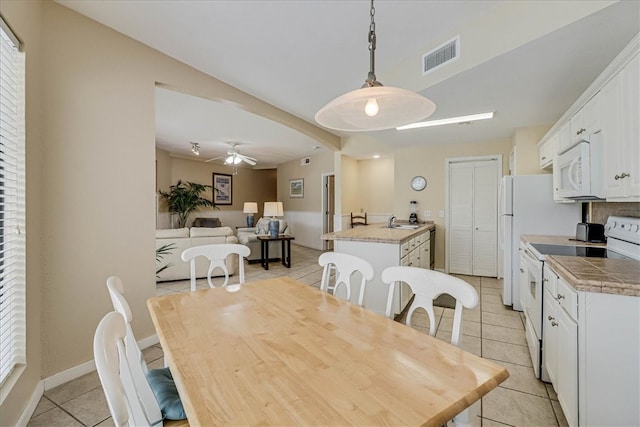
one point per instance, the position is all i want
(544, 157)
(521, 270)
(554, 324)
(545, 280)
(551, 318)
(560, 296)
(581, 131)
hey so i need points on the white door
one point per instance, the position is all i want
(473, 216)
(461, 218)
(485, 219)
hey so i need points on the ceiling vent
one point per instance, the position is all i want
(450, 51)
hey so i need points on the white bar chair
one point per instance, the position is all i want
(216, 254)
(345, 265)
(427, 285)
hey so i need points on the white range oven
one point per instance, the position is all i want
(623, 242)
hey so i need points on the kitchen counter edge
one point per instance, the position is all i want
(378, 233)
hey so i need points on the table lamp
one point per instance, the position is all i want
(273, 209)
(250, 208)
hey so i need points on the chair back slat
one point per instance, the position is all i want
(344, 266)
(217, 255)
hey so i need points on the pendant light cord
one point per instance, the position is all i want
(371, 77)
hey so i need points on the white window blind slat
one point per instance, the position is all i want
(12, 206)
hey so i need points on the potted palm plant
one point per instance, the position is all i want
(186, 197)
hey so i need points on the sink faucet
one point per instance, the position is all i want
(390, 221)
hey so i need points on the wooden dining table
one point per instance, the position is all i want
(280, 352)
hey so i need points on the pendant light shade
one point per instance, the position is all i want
(374, 106)
(395, 107)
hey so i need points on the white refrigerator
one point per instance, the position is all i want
(526, 206)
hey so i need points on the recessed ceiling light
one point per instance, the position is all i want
(451, 120)
(376, 156)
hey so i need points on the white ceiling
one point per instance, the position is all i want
(298, 55)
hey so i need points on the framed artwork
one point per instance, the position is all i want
(296, 187)
(222, 189)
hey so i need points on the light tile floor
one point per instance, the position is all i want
(491, 331)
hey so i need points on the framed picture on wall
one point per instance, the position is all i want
(222, 189)
(296, 187)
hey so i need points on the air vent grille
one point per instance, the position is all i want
(441, 55)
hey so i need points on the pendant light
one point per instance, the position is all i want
(374, 106)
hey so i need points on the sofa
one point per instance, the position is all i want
(249, 236)
(183, 238)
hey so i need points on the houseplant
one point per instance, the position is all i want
(186, 197)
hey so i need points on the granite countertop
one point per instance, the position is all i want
(600, 275)
(378, 233)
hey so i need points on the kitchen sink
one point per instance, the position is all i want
(402, 226)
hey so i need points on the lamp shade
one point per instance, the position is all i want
(273, 209)
(250, 207)
(395, 107)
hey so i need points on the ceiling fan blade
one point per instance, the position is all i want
(215, 158)
(249, 160)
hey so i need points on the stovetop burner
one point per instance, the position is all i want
(580, 251)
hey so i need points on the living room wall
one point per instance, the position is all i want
(248, 185)
(304, 214)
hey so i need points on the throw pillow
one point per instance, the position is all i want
(166, 392)
(262, 227)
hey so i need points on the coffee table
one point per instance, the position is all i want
(286, 249)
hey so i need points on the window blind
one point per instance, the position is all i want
(12, 207)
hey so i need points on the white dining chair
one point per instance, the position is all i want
(217, 255)
(344, 266)
(120, 304)
(427, 285)
(116, 372)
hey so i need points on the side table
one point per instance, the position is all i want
(286, 249)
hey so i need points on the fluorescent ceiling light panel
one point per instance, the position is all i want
(451, 120)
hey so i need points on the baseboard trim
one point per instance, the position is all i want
(32, 404)
(69, 374)
(87, 367)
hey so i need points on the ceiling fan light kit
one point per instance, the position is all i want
(374, 106)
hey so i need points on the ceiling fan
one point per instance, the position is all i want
(233, 157)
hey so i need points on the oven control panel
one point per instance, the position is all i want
(623, 228)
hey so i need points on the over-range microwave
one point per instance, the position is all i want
(578, 171)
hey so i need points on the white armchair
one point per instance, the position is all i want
(249, 236)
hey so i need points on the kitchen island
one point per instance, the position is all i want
(385, 247)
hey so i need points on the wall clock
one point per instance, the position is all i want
(418, 183)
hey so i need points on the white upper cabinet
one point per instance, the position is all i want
(585, 121)
(621, 134)
(564, 137)
(548, 150)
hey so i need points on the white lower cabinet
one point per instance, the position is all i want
(560, 341)
(413, 252)
(591, 349)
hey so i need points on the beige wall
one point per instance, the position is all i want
(524, 141)
(430, 162)
(92, 118)
(312, 174)
(248, 185)
(376, 181)
(351, 185)
(304, 214)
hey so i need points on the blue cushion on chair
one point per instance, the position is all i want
(164, 388)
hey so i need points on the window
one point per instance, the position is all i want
(12, 210)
